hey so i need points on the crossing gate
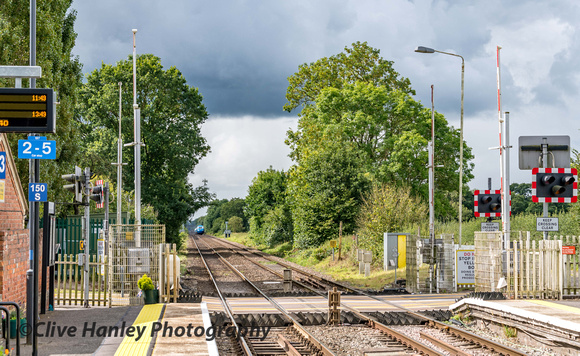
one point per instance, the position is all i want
(541, 269)
(69, 284)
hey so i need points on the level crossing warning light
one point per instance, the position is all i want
(76, 187)
(97, 195)
(554, 185)
(487, 203)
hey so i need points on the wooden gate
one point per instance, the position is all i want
(535, 269)
(69, 286)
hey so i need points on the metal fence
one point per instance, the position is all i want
(133, 251)
(69, 232)
(425, 275)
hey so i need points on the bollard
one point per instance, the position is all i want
(367, 259)
(359, 258)
(287, 280)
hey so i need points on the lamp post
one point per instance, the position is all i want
(422, 49)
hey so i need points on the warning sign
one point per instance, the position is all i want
(101, 255)
(568, 250)
(547, 224)
(465, 264)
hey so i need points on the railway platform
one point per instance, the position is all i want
(554, 323)
(182, 328)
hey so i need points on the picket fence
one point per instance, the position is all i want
(536, 269)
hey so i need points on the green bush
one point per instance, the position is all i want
(145, 283)
(387, 209)
(236, 224)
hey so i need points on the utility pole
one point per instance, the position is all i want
(33, 217)
(137, 147)
(119, 163)
(86, 234)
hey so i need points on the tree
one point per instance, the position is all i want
(387, 208)
(326, 188)
(267, 208)
(60, 71)
(389, 131)
(171, 117)
(361, 63)
(236, 224)
(220, 211)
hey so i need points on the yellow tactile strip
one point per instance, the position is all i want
(555, 305)
(138, 343)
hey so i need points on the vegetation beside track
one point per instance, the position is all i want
(346, 269)
(320, 259)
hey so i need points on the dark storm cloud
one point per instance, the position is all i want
(239, 53)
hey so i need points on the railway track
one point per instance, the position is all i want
(463, 341)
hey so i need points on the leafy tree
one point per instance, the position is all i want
(267, 207)
(387, 208)
(220, 211)
(389, 131)
(236, 224)
(171, 117)
(235, 207)
(326, 188)
(60, 71)
(361, 63)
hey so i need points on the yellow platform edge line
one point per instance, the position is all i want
(147, 316)
(555, 305)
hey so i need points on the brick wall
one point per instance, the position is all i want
(14, 244)
(14, 265)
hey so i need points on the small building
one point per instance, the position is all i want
(14, 236)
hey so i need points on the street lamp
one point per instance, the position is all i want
(422, 49)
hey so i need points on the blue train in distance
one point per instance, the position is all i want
(199, 230)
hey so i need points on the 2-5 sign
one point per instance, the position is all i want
(36, 147)
(37, 192)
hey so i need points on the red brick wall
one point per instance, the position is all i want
(14, 244)
(14, 265)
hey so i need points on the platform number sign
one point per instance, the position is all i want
(37, 192)
(36, 147)
(2, 165)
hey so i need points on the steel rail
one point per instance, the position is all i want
(243, 343)
(324, 349)
(400, 337)
(466, 335)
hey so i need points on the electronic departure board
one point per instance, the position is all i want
(26, 110)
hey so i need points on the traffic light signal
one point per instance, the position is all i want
(554, 185)
(97, 194)
(487, 203)
(76, 187)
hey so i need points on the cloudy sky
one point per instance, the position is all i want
(239, 53)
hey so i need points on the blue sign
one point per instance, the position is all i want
(2, 165)
(37, 192)
(36, 147)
